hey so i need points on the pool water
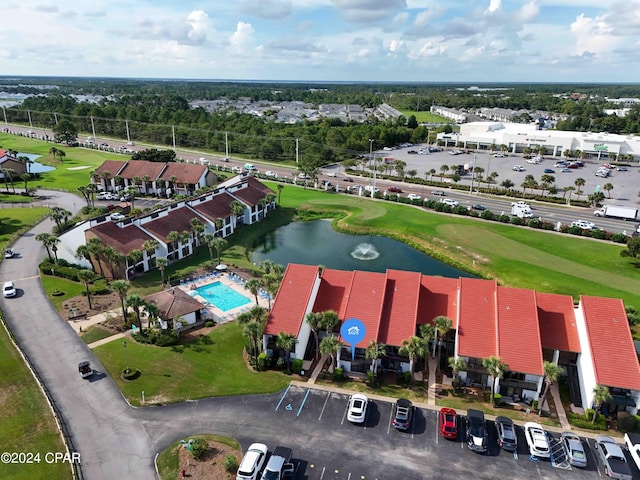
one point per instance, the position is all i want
(221, 296)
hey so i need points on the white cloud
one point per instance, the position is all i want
(528, 12)
(198, 22)
(592, 35)
(242, 38)
(494, 6)
(273, 9)
(366, 11)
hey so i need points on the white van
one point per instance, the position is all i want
(250, 167)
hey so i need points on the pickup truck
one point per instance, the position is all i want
(278, 467)
(612, 458)
(633, 444)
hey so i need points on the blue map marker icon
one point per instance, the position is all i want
(353, 331)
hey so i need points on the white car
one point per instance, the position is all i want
(498, 155)
(520, 204)
(269, 173)
(518, 168)
(236, 169)
(414, 196)
(117, 217)
(252, 462)
(303, 176)
(537, 440)
(534, 161)
(332, 174)
(451, 202)
(584, 224)
(104, 196)
(357, 408)
(9, 289)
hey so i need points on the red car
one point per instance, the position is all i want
(449, 423)
(394, 190)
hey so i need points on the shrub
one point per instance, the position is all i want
(281, 363)
(504, 218)
(516, 221)
(209, 323)
(264, 361)
(581, 421)
(167, 338)
(637, 417)
(534, 405)
(199, 447)
(626, 422)
(130, 373)
(230, 463)
(338, 374)
(487, 215)
(535, 223)
(619, 238)
(497, 398)
(296, 366)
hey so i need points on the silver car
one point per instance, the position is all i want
(574, 449)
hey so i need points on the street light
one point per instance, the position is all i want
(126, 362)
(374, 165)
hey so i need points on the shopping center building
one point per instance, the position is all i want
(518, 136)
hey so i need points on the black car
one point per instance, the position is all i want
(439, 193)
(478, 206)
(506, 433)
(404, 414)
(476, 431)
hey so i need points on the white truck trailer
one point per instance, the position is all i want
(521, 210)
(615, 211)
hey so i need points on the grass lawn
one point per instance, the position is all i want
(15, 221)
(27, 423)
(95, 333)
(69, 174)
(210, 365)
(425, 117)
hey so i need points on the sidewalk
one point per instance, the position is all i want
(83, 326)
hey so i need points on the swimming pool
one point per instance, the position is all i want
(221, 296)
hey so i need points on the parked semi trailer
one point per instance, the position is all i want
(615, 211)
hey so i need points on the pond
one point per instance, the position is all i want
(36, 167)
(316, 243)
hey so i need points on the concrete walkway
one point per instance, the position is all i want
(431, 390)
(562, 415)
(316, 371)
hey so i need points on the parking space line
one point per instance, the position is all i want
(303, 400)
(344, 415)
(515, 454)
(390, 419)
(349, 477)
(324, 406)
(322, 474)
(283, 396)
(437, 427)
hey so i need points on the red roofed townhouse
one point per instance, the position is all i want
(9, 161)
(591, 341)
(215, 211)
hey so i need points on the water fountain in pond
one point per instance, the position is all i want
(365, 251)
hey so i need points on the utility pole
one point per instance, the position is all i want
(374, 165)
(93, 128)
(297, 151)
(226, 145)
(473, 171)
(173, 134)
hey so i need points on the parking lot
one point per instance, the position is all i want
(625, 183)
(317, 420)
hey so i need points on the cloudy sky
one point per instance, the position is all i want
(325, 40)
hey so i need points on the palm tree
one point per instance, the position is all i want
(152, 311)
(330, 345)
(286, 341)
(47, 240)
(580, 182)
(161, 263)
(253, 286)
(496, 368)
(551, 374)
(443, 169)
(96, 249)
(60, 216)
(218, 243)
(87, 277)
(253, 331)
(237, 209)
(280, 187)
(442, 325)
(173, 237)
(197, 227)
(218, 223)
(507, 184)
(25, 177)
(432, 172)
(457, 365)
(373, 352)
(314, 320)
(208, 240)
(330, 320)
(146, 179)
(413, 347)
(600, 395)
(137, 303)
(608, 187)
(150, 246)
(427, 334)
(83, 253)
(121, 287)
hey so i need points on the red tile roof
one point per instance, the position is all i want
(612, 350)
(398, 320)
(176, 220)
(123, 240)
(439, 296)
(518, 320)
(558, 329)
(292, 300)
(477, 328)
(111, 166)
(184, 172)
(252, 193)
(333, 292)
(366, 297)
(174, 303)
(217, 207)
(140, 168)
